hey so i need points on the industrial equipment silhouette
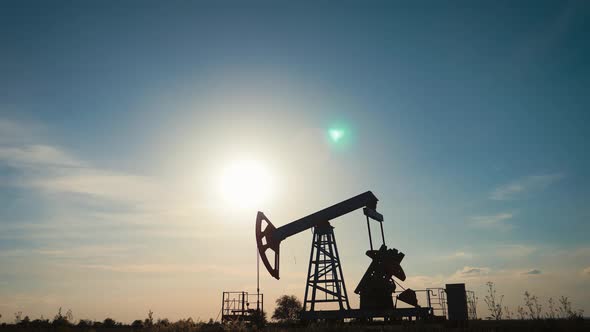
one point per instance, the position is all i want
(325, 281)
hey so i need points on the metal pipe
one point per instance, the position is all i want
(369, 229)
(257, 280)
(243, 302)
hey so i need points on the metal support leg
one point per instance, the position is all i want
(325, 282)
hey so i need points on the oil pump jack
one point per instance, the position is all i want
(325, 282)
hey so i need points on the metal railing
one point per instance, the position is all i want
(240, 305)
(435, 300)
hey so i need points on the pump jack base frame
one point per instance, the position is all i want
(418, 313)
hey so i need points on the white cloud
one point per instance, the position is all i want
(520, 188)
(498, 221)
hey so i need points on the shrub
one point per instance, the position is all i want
(288, 309)
(494, 303)
(109, 322)
(137, 324)
(85, 323)
(532, 303)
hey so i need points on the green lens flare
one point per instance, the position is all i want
(336, 134)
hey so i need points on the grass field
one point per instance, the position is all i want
(560, 317)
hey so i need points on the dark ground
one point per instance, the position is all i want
(479, 325)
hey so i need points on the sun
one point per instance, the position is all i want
(246, 184)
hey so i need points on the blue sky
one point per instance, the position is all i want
(468, 121)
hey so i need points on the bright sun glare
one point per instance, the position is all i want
(246, 184)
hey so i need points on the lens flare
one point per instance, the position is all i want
(336, 134)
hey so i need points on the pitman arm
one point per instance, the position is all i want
(271, 237)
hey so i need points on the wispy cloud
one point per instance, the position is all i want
(514, 250)
(497, 222)
(14, 132)
(471, 271)
(13, 253)
(52, 169)
(532, 272)
(84, 251)
(167, 268)
(510, 281)
(579, 254)
(425, 281)
(102, 184)
(459, 255)
(86, 196)
(521, 187)
(37, 156)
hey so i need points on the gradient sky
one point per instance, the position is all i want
(469, 122)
